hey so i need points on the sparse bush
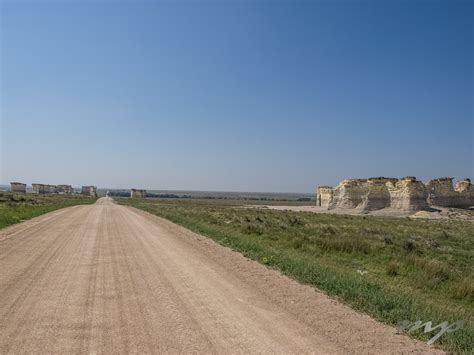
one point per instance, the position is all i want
(296, 221)
(409, 245)
(297, 243)
(267, 260)
(328, 229)
(388, 240)
(252, 228)
(393, 268)
(432, 243)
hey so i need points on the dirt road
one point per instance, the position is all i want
(111, 279)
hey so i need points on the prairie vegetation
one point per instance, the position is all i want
(15, 208)
(394, 269)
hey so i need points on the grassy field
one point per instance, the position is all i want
(394, 269)
(15, 208)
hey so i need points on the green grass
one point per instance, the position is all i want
(416, 269)
(15, 208)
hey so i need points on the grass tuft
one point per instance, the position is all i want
(466, 289)
(393, 268)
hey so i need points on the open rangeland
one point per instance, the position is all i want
(393, 269)
(114, 279)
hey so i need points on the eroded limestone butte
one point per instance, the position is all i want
(465, 191)
(378, 194)
(407, 194)
(348, 194)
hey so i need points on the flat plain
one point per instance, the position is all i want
(105, 278)
(393, 269)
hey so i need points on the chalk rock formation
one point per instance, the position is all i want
(466, 193)
(464, 186)
(363, 194)
(376, 195)
(408, 193)
(441, 192)
(89, 191)
(137, 193)
(325, 194)
(44, 189)
(65, 189)
(348, 194)
(18, 187)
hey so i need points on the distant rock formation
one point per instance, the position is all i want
(137, 193)
(44, 189)
(324, 196)
(465, 191)
(18, 187)
(464, 186)
(407, 194)
(441, 192)
(89, 191)
(64, 189)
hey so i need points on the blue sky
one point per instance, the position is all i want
(235, 95)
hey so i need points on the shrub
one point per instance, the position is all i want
(432, 243)
(252, 228)
(409, 245)
(393, 268)
(297, 243)
(445, 235)
(295, 221)
(267, 260)
(328, 229)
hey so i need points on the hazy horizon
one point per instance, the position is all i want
(151, 190)
(235, 96)
(154, 190)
